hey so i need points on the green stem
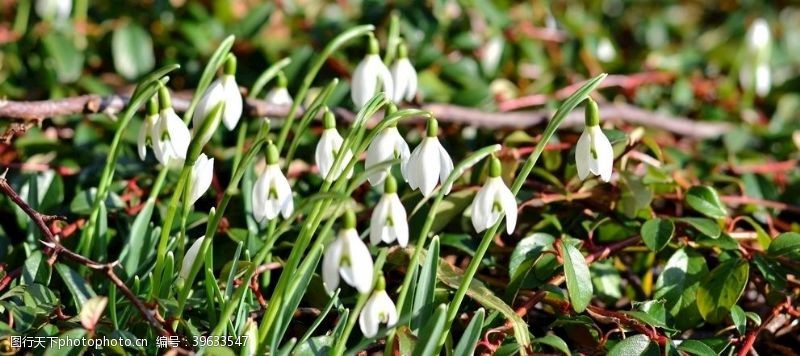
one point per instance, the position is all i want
(568, 105)
(166, 227)
(332, 46)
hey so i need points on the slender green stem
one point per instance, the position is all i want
(569, 104)
(332, 46)
(166, 227)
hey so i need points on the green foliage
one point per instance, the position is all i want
(685, 250)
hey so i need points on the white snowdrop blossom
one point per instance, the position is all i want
(386, 146)
(755, 72)
(371, 77)
(328, 147)
(202, 173)
(379, 309)
(58, 10)
(169, 135)
(593, 152)
(279, 95)
(190, 257)
(389, 220)
(223, 89)
(347, 257)
(429, 163)
(404, 77)
(493, 201)
(272, 194)
(605, 50)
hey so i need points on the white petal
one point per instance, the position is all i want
(368, 321)
(446, 164)
(399, 218)
(359, 273)
(202, 173)
(141, 140)
(481, 208)
(259, 198)
(283, 190)
(763, 80)
(381, 149)
(429, 165)
(583, 155)
(233, 102)
(212, 96)
(330, 265)
(279, 97)
(378, 221)
(364, 83)
(191, 255)
(509, 204)
(605, 153)
(385, 78)
(386, 306)
(179, 136)
(328, 142)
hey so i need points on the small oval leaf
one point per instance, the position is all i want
(579, 282)
(706, 201)
(636, 345)
(657, 233)
(721, 289)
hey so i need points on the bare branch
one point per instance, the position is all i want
(618, 112)
(55, 249)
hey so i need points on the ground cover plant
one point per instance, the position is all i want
(414, 178)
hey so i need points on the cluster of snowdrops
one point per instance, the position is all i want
(347, 258)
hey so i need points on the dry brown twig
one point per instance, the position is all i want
(615, 112)
(55, 250)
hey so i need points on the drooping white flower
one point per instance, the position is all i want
(493, 201)
(404, 77)
(755, 73)
(605, 50)
(279, 95)
(58, 10)
(386, 146)
(371, 77)
(389, 219)
(328, 147)
(347, 257)
(272, 194)
(202, 173)
(190, 257)
(379, 309)
(491, 53)
(169, 135)
(593, 152)
(222, 89)
(429, 163)
(251, 342)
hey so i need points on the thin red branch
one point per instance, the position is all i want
(750, 339)
(55, 250)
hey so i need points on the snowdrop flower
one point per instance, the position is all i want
(58, 10)
(379, 309)
(494, 201)
(348, 257)
(272, 193)
(755, 72)
(593, 152)
(223, 89)
(202, 172)
(279, 95)
(169, 135)
(389, 220)
(328, 148)
(386, 146)
(190, 257)
(491, 53)
(251, 342)
(404, 77)
(143, 140)
(370, 75)
(429, 163)
(605, 50)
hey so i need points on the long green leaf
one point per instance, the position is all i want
(469, 340)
